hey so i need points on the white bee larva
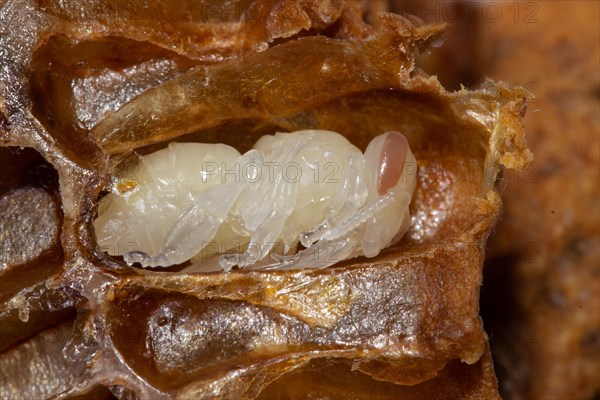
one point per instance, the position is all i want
(209, 204)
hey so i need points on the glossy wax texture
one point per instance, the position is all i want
(391, 161)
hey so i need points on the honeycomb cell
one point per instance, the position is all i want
(175, 339)
(75, 83)
(30, 220)
(88, 82)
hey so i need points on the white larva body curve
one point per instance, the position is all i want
(210, 204)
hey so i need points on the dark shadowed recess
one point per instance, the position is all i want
(30, 220)
(101, 393)
(30, 251)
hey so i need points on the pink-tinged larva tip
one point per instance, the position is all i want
(391, 161)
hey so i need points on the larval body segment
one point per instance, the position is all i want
(193, 201)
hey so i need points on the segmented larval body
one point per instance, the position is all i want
(210, 204)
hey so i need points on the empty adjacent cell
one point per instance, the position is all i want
(176, 339)
(29, 225)
(30, 212)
